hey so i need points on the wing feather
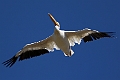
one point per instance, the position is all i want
(33, 50)
(86, 34)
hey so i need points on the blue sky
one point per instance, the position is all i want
(26, 21)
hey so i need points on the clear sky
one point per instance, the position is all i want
(26, 21)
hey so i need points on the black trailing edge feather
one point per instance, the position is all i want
(32, 53)
(25, 55)
(97, 35)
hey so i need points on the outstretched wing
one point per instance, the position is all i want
(33, 50)
(87, 35)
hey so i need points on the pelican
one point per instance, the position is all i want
(60, 40)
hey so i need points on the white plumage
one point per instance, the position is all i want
(60, 40)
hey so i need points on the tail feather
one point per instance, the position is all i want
(69, 54)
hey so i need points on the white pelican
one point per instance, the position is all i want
(60, 39)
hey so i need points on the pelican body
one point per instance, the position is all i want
(60, 40)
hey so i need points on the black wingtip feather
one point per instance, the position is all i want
(98, 35)
(10, 62)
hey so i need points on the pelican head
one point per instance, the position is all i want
(54, 21)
